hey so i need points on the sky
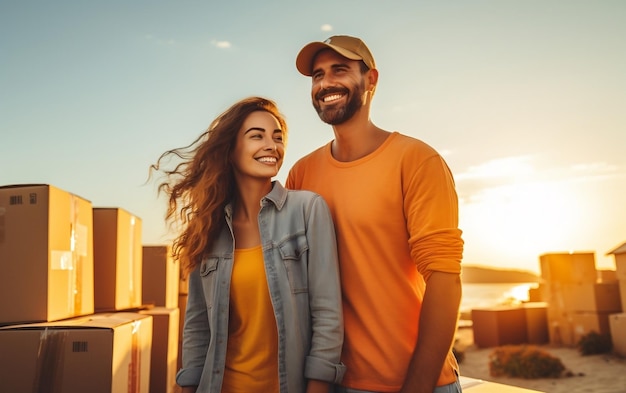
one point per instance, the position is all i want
(526, 101)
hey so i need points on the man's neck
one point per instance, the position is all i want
(354, 140)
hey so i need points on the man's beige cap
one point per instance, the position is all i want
(347, 46)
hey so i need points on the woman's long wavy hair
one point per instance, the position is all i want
(202, 181)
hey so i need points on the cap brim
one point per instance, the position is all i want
(304, 60)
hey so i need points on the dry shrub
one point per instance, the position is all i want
(594, 343)
(524, 361)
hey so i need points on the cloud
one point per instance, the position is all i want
(221, 44)
(595, 168)
(504, 177)
(326, 27)
(499, 168)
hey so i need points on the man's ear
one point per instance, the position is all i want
(372, 77)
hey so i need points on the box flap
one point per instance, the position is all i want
(95, 321)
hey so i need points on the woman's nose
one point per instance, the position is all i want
(271, 145)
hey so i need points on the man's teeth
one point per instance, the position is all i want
(332, 97)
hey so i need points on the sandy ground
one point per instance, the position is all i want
(592, 374)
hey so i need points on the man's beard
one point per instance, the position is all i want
(335, 115)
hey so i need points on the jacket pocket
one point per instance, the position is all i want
(293, 252)
(208, 275)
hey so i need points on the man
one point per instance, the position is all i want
(395, 208)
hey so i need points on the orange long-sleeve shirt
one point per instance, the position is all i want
(396, 218)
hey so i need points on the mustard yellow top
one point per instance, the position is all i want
(252, 351)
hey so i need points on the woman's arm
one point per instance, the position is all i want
(323, 360)
(196, 335)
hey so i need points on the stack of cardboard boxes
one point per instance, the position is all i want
(72, 317)
(573, 300)
(160, 289)
(183, 288)
(84, 306)
(510, 325)
(579, 302)
(617, 321)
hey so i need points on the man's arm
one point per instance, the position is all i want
(437, 327)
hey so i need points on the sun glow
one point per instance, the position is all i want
(515, 214)
(519, 293)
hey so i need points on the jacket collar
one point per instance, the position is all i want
(277, 196)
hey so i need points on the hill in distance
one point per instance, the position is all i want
(472, 274)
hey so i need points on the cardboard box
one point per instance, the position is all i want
(619, 254)
(183, 286)
(46, 254)
(536, 322)
(474, 385)
(560, 327)
(620, 266)
(584, 323)
(117, 259)
(182, 307)
(617, 326)
(568, 267)
(552, 294)
(164, 361)
(606, 275)
(536, 294)
(497, 326)
(101, 353)
(622, 293)
(161, 276)
(592, 297)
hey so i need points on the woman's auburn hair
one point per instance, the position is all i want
(200, 181)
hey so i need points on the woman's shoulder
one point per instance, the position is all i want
(304, 195)
(293, 197)
(305, 198)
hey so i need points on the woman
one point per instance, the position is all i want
(264, 306)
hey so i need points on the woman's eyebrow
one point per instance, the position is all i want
(255, 129)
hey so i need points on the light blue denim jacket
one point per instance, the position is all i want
(300, 256)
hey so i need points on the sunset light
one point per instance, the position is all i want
(525, 100)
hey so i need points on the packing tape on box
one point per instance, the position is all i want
(134, 368)
(63, 260)
(72, 261)
(79, 241)
(132, 260)
(76, 281)
(50, 361)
